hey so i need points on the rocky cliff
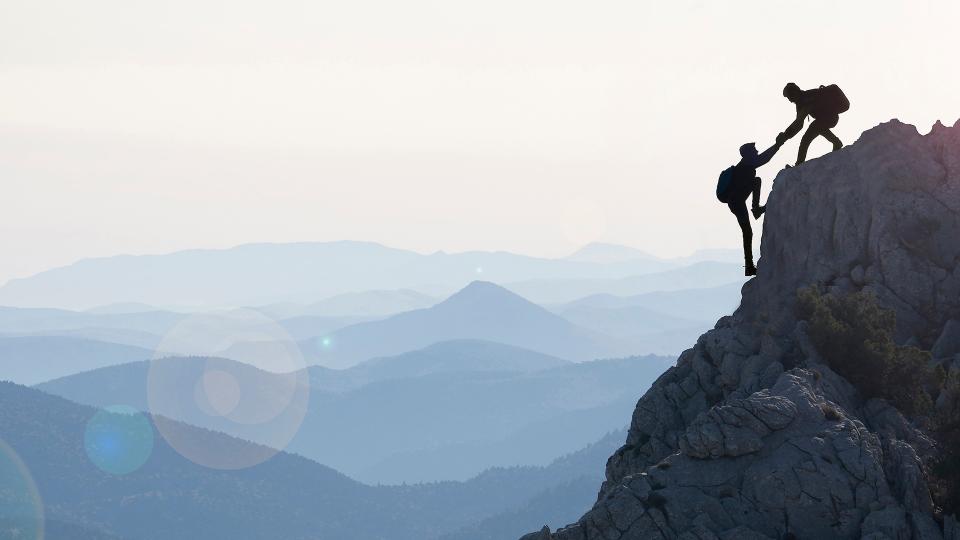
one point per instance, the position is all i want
(751, 434)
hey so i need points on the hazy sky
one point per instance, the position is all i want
(134, 126)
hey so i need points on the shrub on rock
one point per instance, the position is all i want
(854, 334)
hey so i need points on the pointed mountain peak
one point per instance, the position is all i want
(486, 293)
(482, 286)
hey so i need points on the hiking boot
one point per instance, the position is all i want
(758, 211)
(749, 269)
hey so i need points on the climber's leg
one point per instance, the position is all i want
(837, 143)
(755, 192)
(808, 136)
(739, 209)
(820, 126)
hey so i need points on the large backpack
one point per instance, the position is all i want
(723, 183)
(831, 100)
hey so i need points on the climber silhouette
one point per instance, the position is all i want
(739, 182)
(824, 104)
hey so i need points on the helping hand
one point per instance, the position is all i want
(781, 138)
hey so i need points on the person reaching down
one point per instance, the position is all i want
(824, 104)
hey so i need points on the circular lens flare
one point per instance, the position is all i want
(220, 390)
(21, 510)
(237, 372)
(118, 439)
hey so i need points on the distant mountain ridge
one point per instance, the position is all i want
(481, 310)
(13, 319)
(148, 329)
(600, 252)
(35, 359)
(286, 497)
(701, 274)
(708, 304)
(659, 322)
(375, 303)
(456, 355)
(592, 327)
(416, 403)
(296, 272)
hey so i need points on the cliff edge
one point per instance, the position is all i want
(752, 434)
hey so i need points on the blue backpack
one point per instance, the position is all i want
(723, 184)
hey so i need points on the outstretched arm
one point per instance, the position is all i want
(797, 124)
(765, 157)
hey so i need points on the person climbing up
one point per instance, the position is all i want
(824, 104)
(739, 182)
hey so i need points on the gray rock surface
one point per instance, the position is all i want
(951, 528)
(751, 435)
(948, 344)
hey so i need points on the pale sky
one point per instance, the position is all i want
(534, 126)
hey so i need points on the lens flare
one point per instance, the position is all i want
(21, 511)
(118, 439)
(237, 372)
(220, 390)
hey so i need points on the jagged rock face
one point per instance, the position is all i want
(751, 435)
(883, 215)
